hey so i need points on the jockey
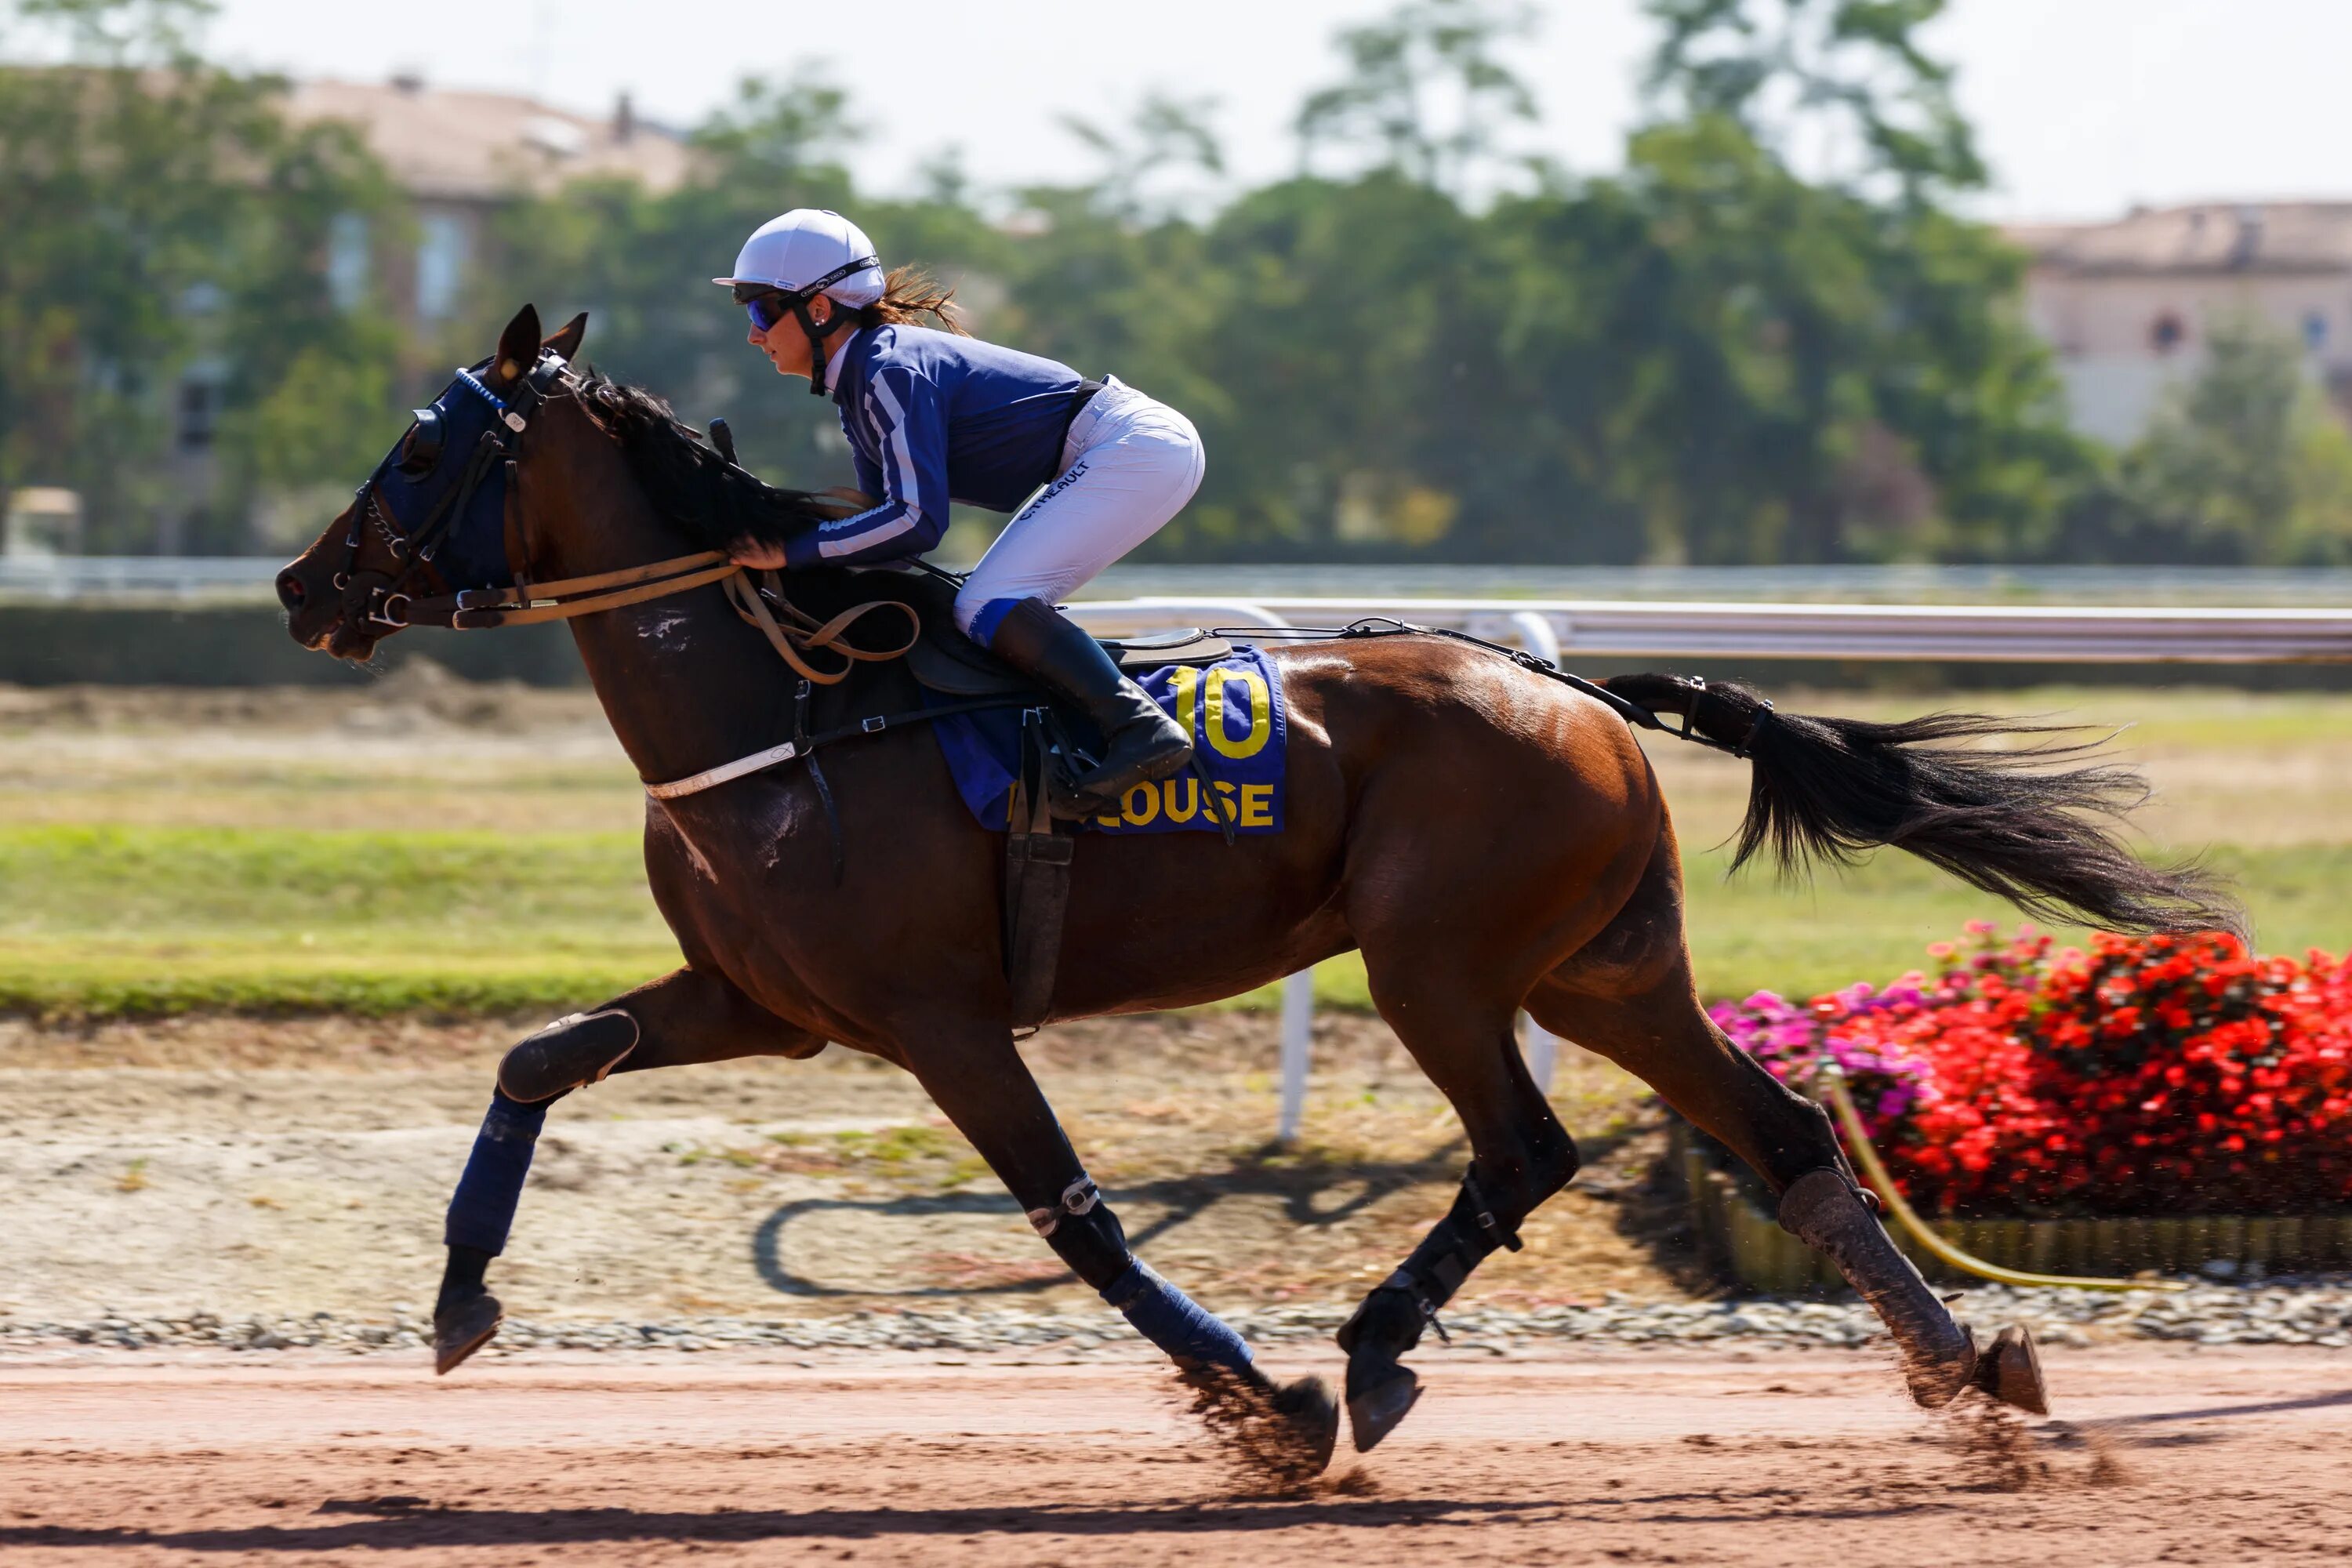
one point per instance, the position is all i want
(1091, 469)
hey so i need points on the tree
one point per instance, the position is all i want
(155, 210)
(1843, 85)
(1426, 92)
(1165, 134)
(1846, 357)
(641, 264)
(2245, 462)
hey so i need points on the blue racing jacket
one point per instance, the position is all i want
(931, 418)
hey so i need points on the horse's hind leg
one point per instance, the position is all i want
(1520, 1155)
(1628, 995)
(688, 1015)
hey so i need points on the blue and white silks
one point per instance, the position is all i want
(929, 417)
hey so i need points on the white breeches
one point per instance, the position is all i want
(1129, 464)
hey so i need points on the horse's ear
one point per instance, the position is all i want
(565, 343)
(518, 346)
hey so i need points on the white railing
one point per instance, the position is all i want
(2039, 634)
(69, 577)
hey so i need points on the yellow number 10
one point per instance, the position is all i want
(1186, 684)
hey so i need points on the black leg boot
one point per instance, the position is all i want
(1381, 1389)
(1822, 1209)
(1142, 744)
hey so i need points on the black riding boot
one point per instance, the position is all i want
(1142, 744)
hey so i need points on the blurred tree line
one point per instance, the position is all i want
(157, 212)
(1769, 336)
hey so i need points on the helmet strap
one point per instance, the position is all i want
(810, 329)
(815, 335)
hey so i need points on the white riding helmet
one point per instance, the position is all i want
(810, 246)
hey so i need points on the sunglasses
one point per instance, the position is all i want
(768, 309)
(764, 305)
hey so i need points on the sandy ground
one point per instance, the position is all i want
(236, 1165)
(1599, 1457)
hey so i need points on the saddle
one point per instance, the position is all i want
(1037, 848)
(946, 661)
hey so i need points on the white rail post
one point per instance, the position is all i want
(1297, 1037)
(1542, 1049)
(1536, 634)
(1541, 1046)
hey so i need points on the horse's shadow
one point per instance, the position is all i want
(385, 1527)
(1307, 1189)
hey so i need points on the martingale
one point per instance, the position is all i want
(1234, 711)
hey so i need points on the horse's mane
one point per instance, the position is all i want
(712, 503)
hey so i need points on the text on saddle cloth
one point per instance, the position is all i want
(1236, 712)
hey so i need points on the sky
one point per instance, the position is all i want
(2083, 107)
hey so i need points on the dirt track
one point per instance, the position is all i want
(1609, 1457)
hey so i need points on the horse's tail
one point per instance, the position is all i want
(2019, 823)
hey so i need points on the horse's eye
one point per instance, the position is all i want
(420, 449)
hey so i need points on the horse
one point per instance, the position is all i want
(1486, 830)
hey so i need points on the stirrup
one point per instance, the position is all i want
(1092, 799)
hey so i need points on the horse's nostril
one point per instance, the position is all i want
(289, 590)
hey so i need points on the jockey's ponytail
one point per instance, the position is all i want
(908, 293)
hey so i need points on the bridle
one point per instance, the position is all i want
(391, 599)
(388, 599)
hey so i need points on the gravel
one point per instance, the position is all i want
(2317, 1312)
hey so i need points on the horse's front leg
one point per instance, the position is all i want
(979, 1080)
(688, 1016)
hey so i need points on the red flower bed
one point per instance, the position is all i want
(2149, 1076)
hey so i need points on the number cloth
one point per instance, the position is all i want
(1235, 712)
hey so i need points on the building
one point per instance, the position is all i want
(2127, 304)
(459, 156)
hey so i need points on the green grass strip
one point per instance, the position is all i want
(123, 921)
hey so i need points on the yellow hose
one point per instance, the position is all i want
(1842, 1100)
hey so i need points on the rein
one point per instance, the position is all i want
(567, 598)
(380, 598)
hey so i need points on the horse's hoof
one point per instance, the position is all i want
(1376, 1412)
(1307, 1407)
(2011, 1371)
(462, 1328)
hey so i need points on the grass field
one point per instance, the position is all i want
(382, 857)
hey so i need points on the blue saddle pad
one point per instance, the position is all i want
(1236, 712)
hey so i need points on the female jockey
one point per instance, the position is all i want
(934, 414)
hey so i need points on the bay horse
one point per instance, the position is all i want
(1488, 834)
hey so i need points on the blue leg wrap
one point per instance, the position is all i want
(1173, 1320)
(483, 1208)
